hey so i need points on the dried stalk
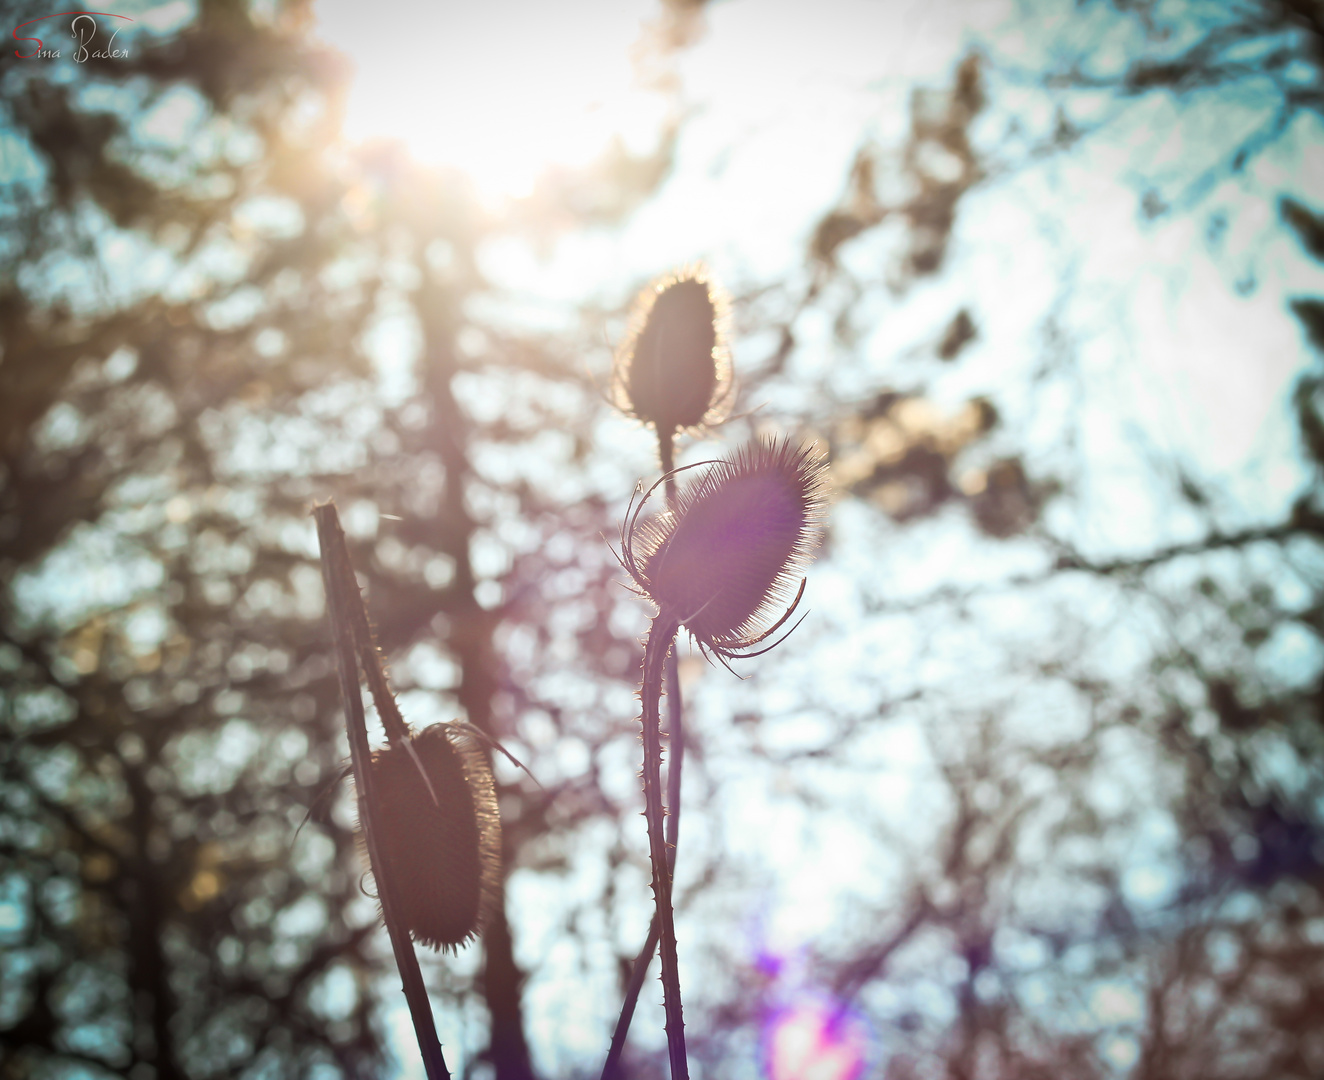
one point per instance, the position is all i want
(611, 1069)
(661, 635)
(346, 611)
(723, 560)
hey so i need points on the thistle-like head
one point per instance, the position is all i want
(730, 550)
(443, 854)
(674, 368)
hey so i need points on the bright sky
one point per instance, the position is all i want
(502, 89)
(778, 100)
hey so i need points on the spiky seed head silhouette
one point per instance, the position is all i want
(444, 857)
(674, 368)
(729, 552)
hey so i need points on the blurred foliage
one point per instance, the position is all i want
(204, 333)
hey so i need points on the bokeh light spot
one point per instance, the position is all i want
(814, 1040)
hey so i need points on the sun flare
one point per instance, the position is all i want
(502, 91)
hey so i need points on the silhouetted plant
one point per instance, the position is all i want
(444, 855)
(134, 878)
(729, 549)
(427, 808)
(716, 562)
(673, 372)
(674, 369)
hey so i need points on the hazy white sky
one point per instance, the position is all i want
(778, 99)
(501, 89)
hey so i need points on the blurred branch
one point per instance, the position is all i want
(854, 976)
(1069, 560)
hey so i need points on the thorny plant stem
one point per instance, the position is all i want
(675, 721)
(611, 1070)
(345, 607)
(666, 448)
(676, 744)
(675, 716)
(661, 635)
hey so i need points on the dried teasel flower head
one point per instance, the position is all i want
(728, 553)
(444, 857)
(674, 368)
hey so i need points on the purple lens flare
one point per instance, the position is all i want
(814, 1038)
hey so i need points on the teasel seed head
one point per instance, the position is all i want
(674, 368)
(729, 552)
(444, 858)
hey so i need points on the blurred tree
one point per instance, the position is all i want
(1131, 882)
(212, 315)
(192, 275)
(169, 216)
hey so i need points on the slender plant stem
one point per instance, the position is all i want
(666, 454)
(374, 670)
(342, 599)
(661, 635)
(675, 713)
(379, 685)
(676, 745)
(611, 1069)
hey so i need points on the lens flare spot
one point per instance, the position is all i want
(814, 1040)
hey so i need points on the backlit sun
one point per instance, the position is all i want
(502, 90)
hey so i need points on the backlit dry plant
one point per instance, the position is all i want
(726, 553)
(440, 832)
(719, 560)
(673, 370)
(427, 804)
